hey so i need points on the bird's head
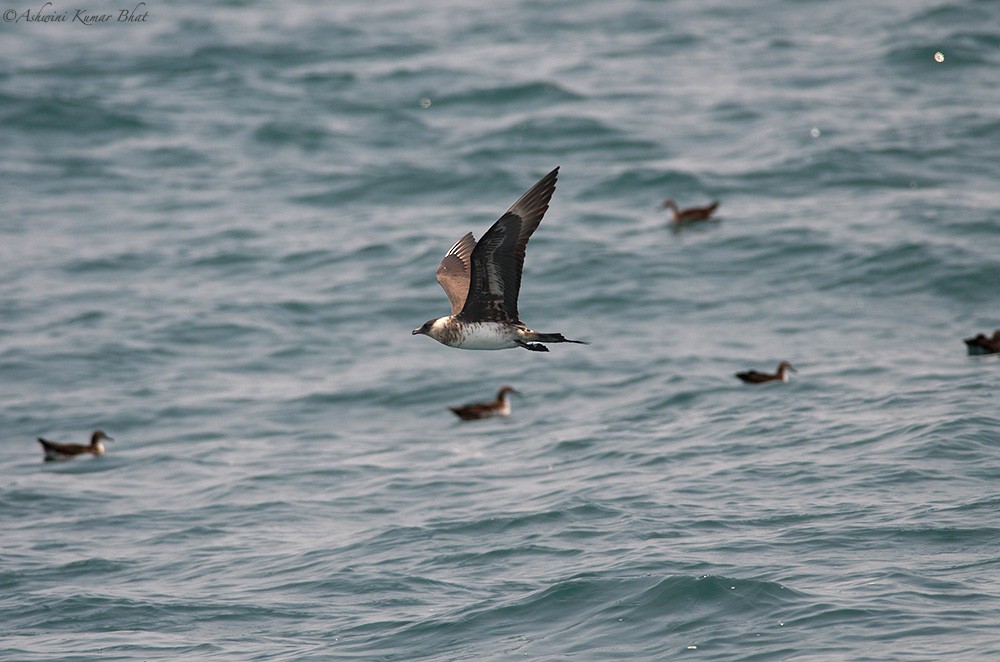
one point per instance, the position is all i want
(504, 390)
(425, 329)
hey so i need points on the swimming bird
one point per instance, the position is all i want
(478, 410)
(691, 214)
(984, 345)
(56, 451)
(755, 377)
(482, 281)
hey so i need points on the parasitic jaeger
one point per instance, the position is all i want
(482, 281)
(691, 214)
(480, 410)
(755, 377)
(57, 451)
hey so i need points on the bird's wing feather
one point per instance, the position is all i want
(498, 258)
(63, 449)
(453, 272)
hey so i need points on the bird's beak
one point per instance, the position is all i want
(793, 370)
(109, 438)
(415, 332)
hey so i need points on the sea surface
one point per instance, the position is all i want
(219, 224)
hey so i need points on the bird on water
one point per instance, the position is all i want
(482, 281)
(982, 344)
(755, 377)
(691, 214)
(479, 410)
(56, 451)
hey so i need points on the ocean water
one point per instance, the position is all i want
(220, 224)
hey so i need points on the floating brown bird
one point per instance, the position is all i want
(56, 451)
(482, 281)
(984, 345)
(691, 214)
(755, 377)
(499, 407)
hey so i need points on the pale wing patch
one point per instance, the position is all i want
(492, 270)
(495, 280)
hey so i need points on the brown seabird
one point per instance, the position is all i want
(691, 214)
(755, 377)
(981, 344)
(482, 281)
(56, 451)
(478, 410)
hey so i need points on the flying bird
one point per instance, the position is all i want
(691, 214)
(479, 410)
(57, 451)
(755, 377)
(482, 281)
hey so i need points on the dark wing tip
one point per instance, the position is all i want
(532, 205)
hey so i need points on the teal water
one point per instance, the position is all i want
(219, 227)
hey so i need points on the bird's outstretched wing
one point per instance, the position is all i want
(498, 258)
(453, 273)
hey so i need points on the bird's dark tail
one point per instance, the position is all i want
(553, 338)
